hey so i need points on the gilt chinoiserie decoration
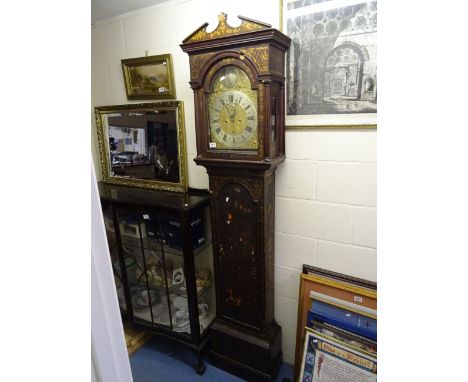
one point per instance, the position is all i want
(224, 29)
(237, 75)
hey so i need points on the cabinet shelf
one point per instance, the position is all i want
(179, 290)
(160, 310)
(153, 245)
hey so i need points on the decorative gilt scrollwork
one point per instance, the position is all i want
(261, 118)
(254, 186)
(196, 63)
(215, 68)
(259, 55)
(224, 29)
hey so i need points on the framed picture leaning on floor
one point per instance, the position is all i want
(326, 358)
(340, 303)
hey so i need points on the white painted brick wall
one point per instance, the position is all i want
(332, 146)
(365, 227)
(287, 281)
(197, 175)
(108, 40)
(314, 219)
(326, 188)
(347, 183)
(296, 179)
(292, 250)
(286, 310)
(349, 259)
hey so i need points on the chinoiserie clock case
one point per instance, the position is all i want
(237, 75)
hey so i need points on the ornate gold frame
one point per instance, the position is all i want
(103, 144)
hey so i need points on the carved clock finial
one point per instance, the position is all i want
(222, 17)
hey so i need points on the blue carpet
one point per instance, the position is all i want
(163, 360)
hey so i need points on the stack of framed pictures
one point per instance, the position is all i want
(336, 337)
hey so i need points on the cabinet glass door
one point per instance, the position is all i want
(171, 238)
(154, 247)
(146, 268)
(114, 253)
(204, 270)
(195, 242)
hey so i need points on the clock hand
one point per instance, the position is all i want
(231, 112)
(234, 117)
(235, 111)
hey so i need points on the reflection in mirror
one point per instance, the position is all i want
(142, 142)
(144, 145)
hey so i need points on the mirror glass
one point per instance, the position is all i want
(143, 145)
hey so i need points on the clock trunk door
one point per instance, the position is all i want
(236, 217)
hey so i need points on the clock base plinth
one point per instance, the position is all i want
(245, 354)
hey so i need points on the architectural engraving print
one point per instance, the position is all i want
(332, 62)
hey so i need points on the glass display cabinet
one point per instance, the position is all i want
(162, 258)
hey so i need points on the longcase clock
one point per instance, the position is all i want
(237, 75)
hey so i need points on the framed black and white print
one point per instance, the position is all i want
(332, 63)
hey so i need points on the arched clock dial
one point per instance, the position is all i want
(233, 120)
(232, 111)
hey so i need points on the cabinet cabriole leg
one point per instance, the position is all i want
(200, 369)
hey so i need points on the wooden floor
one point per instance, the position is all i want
(135, 338)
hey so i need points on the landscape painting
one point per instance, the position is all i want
(149, 77)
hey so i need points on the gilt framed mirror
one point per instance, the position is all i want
(143, 145)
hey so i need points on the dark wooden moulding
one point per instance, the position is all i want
(245, 339)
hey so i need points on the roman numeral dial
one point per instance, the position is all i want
(232, 111)
(233, 120)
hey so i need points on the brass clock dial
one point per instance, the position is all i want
(232, 111)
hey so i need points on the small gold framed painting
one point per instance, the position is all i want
(149, 77)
